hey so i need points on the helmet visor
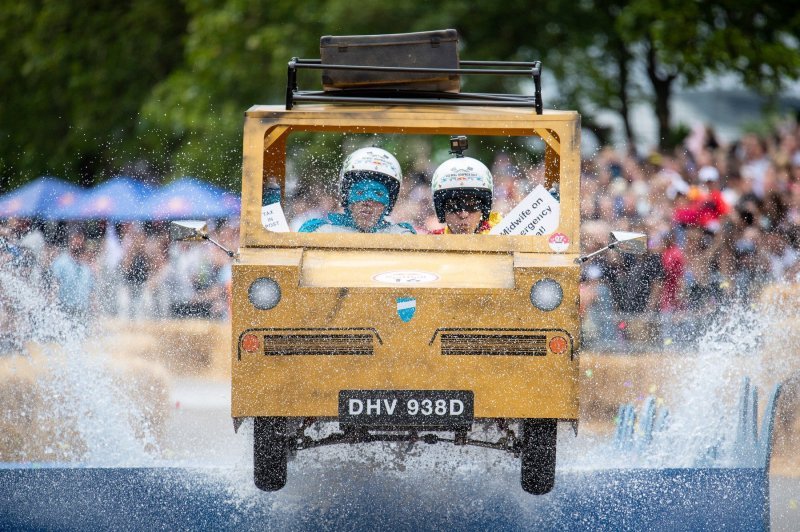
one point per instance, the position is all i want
(463, 202)
(368, 190)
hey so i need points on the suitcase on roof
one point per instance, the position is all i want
(428, 49)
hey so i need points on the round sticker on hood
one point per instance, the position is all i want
(559, 242)
(405, 277)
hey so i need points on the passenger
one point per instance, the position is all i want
(462, 197)
(368, 186)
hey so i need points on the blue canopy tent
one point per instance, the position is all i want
(232, 202)
(192, 198)
(44, 197)
(118, 199)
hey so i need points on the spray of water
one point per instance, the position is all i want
(740, 342)
(83, 409)
(93, 419)
(86, 401)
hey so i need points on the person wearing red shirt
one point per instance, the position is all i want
(706, 204)
(674, 264)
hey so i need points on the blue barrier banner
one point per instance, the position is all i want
(193, 499)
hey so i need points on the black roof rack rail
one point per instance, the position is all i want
(404, 96)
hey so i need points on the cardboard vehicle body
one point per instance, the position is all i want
(340, 292)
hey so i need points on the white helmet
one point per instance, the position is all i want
(371, 163)
(459, 176)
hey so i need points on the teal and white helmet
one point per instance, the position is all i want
(462, 176)
(371, 163)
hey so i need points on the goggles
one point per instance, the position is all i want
(368, 190)
(468, 204)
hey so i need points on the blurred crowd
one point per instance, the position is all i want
(129, 270)
(723, 221)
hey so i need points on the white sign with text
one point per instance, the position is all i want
(273, 219)
(537, 214)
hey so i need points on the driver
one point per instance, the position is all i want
(462, 197)
(368, 186)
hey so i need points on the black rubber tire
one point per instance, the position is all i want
(269, 453)
(539, 455)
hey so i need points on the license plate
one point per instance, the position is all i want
(412, 408)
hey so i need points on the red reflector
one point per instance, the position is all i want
(558, 344)
(251, 343)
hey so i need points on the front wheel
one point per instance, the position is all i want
(538, 455)
(269, 453)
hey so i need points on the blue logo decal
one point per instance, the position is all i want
(406, 306)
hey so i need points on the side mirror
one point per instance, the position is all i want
(193, 231)
(188, 231)
(626, 242)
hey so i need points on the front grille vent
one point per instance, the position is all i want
(494, 344)
(317, 344)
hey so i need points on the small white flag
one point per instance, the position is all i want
(273, 219)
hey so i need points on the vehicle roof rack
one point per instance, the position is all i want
(405, 96)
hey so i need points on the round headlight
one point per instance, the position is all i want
(264, 293)
(546, 294)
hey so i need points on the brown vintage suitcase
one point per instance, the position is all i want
(428, 49)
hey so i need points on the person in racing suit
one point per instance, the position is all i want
(369, 183)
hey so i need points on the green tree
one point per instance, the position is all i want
(688, 40)
(236, 55)
(597, 48)
(90, 88)
(74, 75)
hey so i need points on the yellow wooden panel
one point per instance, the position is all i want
(276, 257)
(539, 260)
(433, 270)
(327, 281)
(561, 127)
(408, 354)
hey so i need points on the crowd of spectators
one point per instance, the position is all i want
(129, 270)
(723, 220)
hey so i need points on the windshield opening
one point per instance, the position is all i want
(379, 183)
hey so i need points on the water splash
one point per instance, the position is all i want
(94, 420)
(703, 387)
(78, 404)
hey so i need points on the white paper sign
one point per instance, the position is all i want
(273, 219)
(537, 214)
